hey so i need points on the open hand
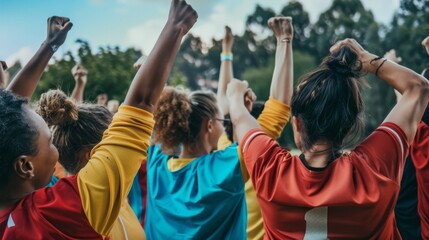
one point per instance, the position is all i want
(58, 28)
(282, 28)
(182, 16)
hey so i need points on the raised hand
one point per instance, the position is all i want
(236, 88)
(58, 27)
(282, 28)
(25, 82)
(391, 55)
(79, 74)
(249, 99)
(367, 58)
(228, 40)
(182, 16)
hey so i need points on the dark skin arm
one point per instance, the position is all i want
(149, 81)
(25, 82)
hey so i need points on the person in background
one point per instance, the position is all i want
(199, 193)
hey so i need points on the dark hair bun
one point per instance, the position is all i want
(56, 108)
(344, 62)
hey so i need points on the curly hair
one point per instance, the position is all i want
(178, 117)
(74, 127)
(18, 134)
(329, 103)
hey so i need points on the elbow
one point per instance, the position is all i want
(423, 89)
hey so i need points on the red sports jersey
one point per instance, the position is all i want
(50, 213)
(353, 197)
(420, 156)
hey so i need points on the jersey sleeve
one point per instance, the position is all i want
(419, 152)
(274, 118)
(107, 178)
(385, 151)
(263, 157)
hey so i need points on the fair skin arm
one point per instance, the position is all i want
(149, 81)
(414, 88)
(282, 81)
(226, 72)
(80, 75)
(391, 55)
(25, 82)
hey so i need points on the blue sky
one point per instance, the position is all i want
(133, 23)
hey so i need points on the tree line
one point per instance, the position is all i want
(197, 64)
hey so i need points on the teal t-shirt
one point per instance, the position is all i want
(203, 200)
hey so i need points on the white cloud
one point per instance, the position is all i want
(23, 55)
(144, 36)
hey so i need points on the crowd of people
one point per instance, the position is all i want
(172, 164)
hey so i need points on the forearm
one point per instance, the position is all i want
(397, 76)
(241, 118)
(2, 78)
(225, 76)
(149, 81)
(77, 94)
(282, 81)
(25, 83)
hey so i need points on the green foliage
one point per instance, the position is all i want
(110, 69)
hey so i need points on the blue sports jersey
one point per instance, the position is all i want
(203, 200)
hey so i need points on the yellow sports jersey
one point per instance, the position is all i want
(105, 181)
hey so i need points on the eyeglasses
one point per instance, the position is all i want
(225, 120)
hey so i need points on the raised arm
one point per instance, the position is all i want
(106, 180)
(414, 88)
(282, 81)
(80, 75)
(25, 82)
(281, 84)
(149, 81)
(226, 72)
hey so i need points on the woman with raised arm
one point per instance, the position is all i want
(199, 193)
(274, 118)
(325, 193)
(87, 205)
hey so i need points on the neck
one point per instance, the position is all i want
(318, 155)
(195, 150)
(13, 193)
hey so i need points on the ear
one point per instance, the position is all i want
(23, 167)
(297, 127)
(296, 124)
(210, 125)
(87, 155)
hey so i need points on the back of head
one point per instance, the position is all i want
(178, 117)
(328, 101)
(75, 128)
(18, 135)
